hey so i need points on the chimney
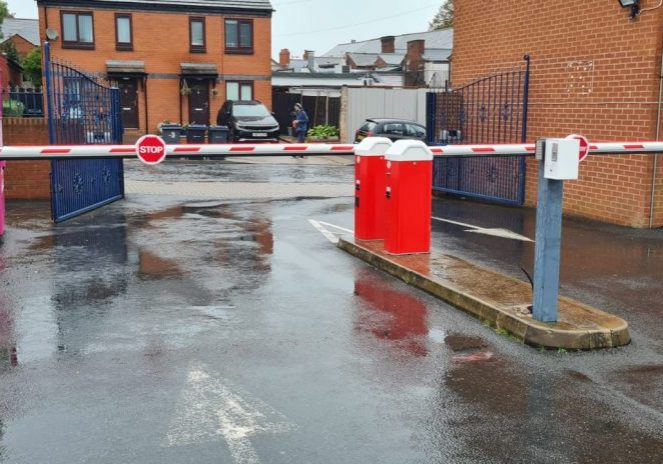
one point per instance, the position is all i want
(414, 64)
(284, 58)
(309, 55)
(415, 49)
(388, 44)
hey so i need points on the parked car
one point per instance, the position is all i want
(248, 121)
(393, 129)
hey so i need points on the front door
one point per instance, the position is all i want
(129, 102)
(199, 103)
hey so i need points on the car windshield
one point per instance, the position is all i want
(250, 110)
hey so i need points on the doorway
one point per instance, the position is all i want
(129, 102)
(199, 102)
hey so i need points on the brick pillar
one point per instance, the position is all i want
(27, 180)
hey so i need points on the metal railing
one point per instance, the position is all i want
(19, 102)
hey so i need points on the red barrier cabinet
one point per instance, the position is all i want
(2, 198)
(408, 193)
(370, 183)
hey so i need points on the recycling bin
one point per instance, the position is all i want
(171, 133)
(217, 134)
(195, 133)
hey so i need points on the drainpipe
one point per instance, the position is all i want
(658, 131)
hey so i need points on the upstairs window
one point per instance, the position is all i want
(197, 35)
(239, 36)
(77, 29)
(123, 33)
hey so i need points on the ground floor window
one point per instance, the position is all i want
(236, 90)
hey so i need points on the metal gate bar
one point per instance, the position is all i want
(81, 110)
(492, 109)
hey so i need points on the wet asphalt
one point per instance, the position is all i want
(180, 330)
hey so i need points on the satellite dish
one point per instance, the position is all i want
(52, 34)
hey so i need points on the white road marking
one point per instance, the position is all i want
(337, 227)
(330, 236)
(208, 411)
(496, 232)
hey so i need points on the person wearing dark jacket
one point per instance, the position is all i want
(300, 123)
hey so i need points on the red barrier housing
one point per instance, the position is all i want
(370, 182)
(2, 198)
(408, 192)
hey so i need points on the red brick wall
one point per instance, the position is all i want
(594, 72)
(27, 180)
(23, 47)
(11, 74)
(161, 40)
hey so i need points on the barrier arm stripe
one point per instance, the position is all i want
(129, 151)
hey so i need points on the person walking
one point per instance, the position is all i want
(300, 124)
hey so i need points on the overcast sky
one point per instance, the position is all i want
(319, 25)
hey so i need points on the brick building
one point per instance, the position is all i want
(23, 33)
(595, 71)
(172, 60)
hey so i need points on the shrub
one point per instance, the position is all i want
(12, 108)
(323, 131)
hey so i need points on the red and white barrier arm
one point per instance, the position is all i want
(227, 150)
(129, 151)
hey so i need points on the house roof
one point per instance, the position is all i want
(26, 28)
(392, 59)
(441, 54)
(440, 39)
(181, 5)
(363, 59)
(323, 64)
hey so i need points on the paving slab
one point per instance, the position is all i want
(499, 300)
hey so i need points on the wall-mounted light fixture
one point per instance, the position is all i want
(634, 5)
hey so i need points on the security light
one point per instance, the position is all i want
(633, 4)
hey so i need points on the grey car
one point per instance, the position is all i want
(393, 129)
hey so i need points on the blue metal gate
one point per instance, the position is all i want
(81, 110)
(490, 110)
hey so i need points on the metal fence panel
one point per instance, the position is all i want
(488, 111)
(23, 102)
(81, 110)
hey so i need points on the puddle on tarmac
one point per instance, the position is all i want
(458, 342)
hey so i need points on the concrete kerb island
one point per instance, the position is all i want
(394, 236)
(496, 299)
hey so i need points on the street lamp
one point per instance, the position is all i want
(633, 4)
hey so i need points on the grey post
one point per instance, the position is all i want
(547, 247)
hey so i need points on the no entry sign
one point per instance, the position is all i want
(151, 149)
(584, 145)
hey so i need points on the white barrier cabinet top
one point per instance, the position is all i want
(373, 146)
(409, 150)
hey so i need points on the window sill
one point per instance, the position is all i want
(239, 51)
(80, 46)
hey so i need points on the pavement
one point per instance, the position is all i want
(171, 328)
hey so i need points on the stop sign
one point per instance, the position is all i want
(151, 149)
(584, 145)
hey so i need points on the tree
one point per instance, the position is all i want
(32, 66)
(444, 17)
(4, 13)
(9, 49)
